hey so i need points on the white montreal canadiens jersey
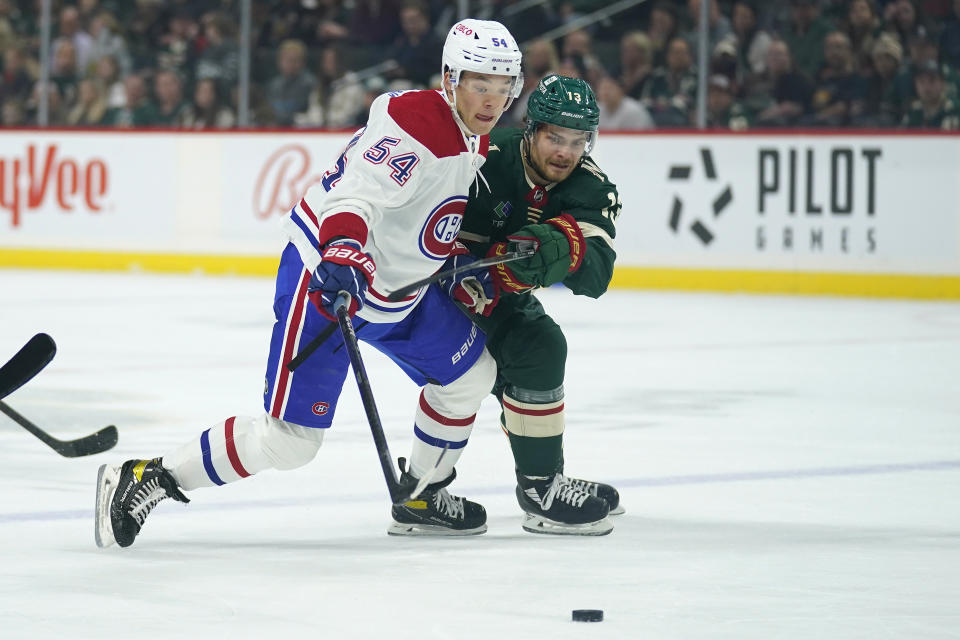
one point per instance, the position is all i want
(405, 177)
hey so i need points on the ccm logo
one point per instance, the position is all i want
(464, 30)
(320, 408)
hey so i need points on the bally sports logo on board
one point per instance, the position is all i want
(282, 181)
(795, 199)
(44, 176)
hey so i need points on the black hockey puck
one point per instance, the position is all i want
(588, 615)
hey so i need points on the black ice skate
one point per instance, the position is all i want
(125, 497)
(601, 490)
(437, 513)
(553, 504)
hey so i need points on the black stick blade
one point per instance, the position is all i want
(98, 442)
(26, 363)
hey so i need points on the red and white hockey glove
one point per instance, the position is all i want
(474, 288)
(343, 267)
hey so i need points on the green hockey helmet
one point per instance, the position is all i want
(564, 102)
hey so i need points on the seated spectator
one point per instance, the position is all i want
(8, 32)
(837, 87)
(636, 62)
(932, 109)
(107, 41)
(718, 28)
(56, 109)
(619, 111)
(289, 92)
(168, 90)
(15, 82)
(137, 111)
(337, 100)
(63, 72)
(220, 59)
(90, 107)
(723, 110)
(950, 38)
(539, 60)
(108, 75)
(579, 45)
(12, 113)
(805, 35)
(207, 110)
(862, 27)
(287, 20)
(882, 105)
(752, 42)
(375, 22)
(670, 93)
(902, 19)
(663, 28)
(70, 30)
(782, 92)
(417, 49)
(178, 45)
(332, 18)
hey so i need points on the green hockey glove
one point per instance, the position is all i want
(560, 249)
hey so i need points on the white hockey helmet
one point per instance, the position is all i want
(482, 46)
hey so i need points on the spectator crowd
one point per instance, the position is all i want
(319, 63)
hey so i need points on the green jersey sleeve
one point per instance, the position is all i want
(593, 201)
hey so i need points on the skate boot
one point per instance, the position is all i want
(552, 504)
(437, 513)
(601, 490)
(125, 497)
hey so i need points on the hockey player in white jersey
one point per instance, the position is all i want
(386, 213)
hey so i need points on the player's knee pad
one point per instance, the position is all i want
(531, 413)
(287, 445)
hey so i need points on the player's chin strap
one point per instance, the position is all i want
(471, 139)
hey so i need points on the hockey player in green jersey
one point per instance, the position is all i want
(544, 186)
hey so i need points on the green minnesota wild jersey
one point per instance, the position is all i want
(513, 201)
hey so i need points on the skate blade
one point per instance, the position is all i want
(106, 485)
(539, 524)
(406, 529)
(618, 511)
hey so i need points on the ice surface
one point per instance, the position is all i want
(790, 469)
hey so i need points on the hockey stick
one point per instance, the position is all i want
(400, 492)
(522, 249)
(312, 346)
(97, 442)
(26, 363)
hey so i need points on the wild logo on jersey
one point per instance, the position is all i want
(440, 230)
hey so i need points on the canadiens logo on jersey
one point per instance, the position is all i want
(320, 408)
(440, 230)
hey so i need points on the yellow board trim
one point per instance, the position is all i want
(154, 262)
(874, 285)
(879, 285)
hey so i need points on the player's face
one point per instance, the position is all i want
(481, 100)
(556, 151)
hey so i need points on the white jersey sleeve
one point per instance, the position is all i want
(399, 187)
